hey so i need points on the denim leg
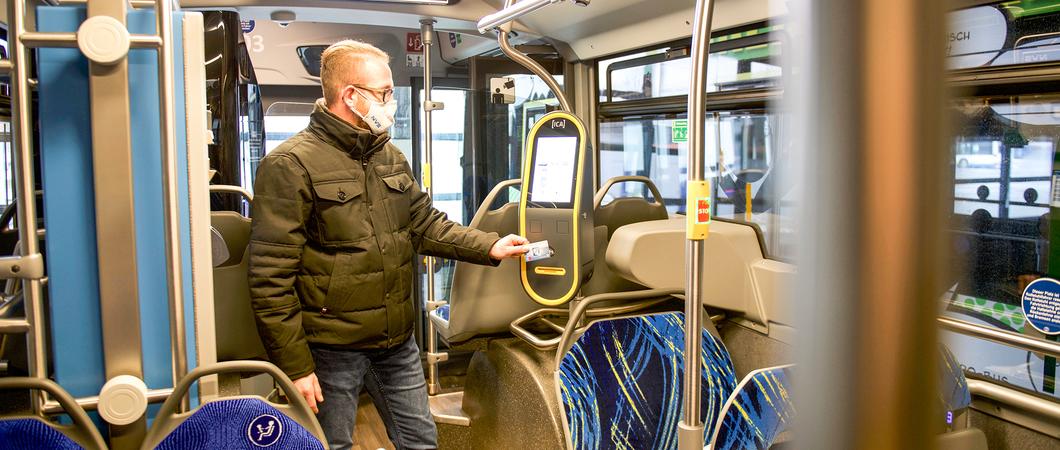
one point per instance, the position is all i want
(399, 391)
(341, 375)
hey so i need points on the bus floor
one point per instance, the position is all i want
(369, 432)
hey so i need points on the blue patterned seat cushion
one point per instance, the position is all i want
(32, 434)
(759, 411)
(442, 312)
(243, 423)
(621, 383)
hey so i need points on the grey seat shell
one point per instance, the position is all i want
(237, 332)
(485, 300)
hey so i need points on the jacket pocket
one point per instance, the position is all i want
(397, 198)
(341, 212)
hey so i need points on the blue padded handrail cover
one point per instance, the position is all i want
(758, 412)
(33, 434)
(243, 423)
(621, 383)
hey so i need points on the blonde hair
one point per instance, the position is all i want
(338, 61)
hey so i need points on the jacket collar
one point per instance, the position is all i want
(356, 141)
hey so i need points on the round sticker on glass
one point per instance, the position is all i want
(1041, 305)
(264, 430)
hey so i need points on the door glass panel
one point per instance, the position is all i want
(1002, 229)
(447, 172)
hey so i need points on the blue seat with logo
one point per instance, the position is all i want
(621, 383)
(29, 432)
(242, 422)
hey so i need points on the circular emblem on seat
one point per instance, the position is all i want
(264, 430)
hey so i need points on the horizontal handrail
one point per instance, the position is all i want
(224, 188)
(1012, 397)
(580, 311)
(92, 403)
(1000, 336)
(35, 39)
(511, 13)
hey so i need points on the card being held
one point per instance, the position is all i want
(538, 250)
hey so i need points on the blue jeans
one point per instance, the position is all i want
(394, 379)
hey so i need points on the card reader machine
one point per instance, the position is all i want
(555, 209)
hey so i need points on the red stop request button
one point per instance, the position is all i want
(702, 210)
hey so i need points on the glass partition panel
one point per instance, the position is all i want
(742, 150)
(1001, 229)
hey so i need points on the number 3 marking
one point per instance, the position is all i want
(257, 43)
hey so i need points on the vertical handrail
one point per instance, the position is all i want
(427, 36)
(529, 63)
(27, 209)
(691, 428)
(171, 204)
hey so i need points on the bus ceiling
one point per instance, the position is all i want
(579, 33)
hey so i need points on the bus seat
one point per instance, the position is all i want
(757, 412)
(956, 398)
(237, 331)
(621, 382)
(740, 278)
(626, 210)
(483, 299)
(612, 216)
(26, 432)
(243, 422)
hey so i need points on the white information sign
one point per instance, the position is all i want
(976, 36)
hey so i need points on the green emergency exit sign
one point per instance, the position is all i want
(680, 131)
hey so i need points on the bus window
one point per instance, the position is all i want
(742, 60)
(1003, 152)
(649, 146)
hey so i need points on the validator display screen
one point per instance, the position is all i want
(554, 159)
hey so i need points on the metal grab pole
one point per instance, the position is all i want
(433, 358)
(164, 19)
(22, 141)
(690, 435)
(529, 63)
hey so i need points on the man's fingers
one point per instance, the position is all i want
(311, 399)
(319, 392)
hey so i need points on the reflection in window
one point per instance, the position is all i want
(1003, 153)
(744, 185)
(1013, 32)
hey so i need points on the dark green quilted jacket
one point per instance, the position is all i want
(337, 222)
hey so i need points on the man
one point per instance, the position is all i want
(338, 220)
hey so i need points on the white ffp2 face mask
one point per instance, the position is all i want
(380, 116)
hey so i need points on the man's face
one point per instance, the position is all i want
(371, 79)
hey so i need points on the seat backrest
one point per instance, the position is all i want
(34, 432)
(757, 412)
(626, 210)
(237, 332)
(621, 383)
(612, 216)
(954, 393)
(243, 422)
(485, 300)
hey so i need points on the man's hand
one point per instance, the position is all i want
(309, 387)
(510, 246)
